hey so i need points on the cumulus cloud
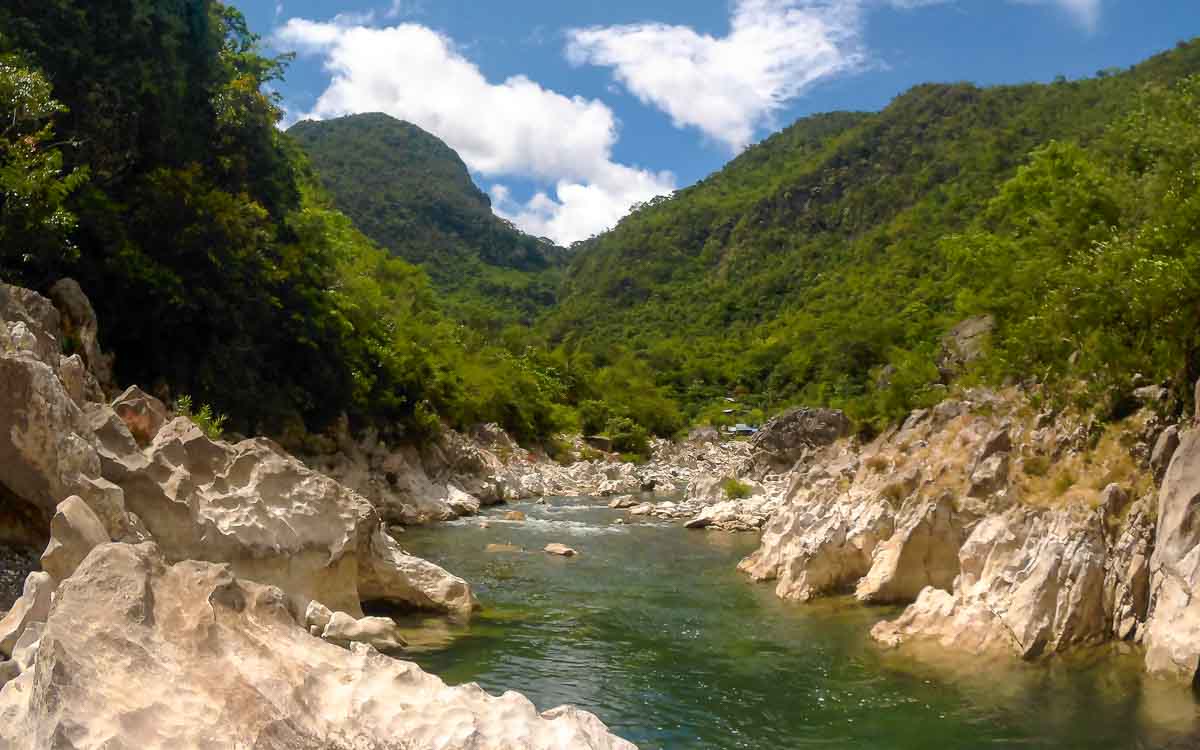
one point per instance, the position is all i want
(729, 86)
(512, 128)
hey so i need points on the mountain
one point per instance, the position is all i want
(412, 194)
(825, 264)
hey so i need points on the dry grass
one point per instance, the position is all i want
(1080, 478)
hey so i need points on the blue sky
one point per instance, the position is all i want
(568, 112)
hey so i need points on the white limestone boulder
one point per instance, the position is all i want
(139, 653)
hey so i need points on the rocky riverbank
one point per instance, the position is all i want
(200, 593)
(1004, 528)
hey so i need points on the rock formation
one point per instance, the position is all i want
(1172, 634)
(1031, 582)
(141, 653)
(182, 573)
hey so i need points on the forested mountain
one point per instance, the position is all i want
(824, 264)
(140, 155)
(412, 194)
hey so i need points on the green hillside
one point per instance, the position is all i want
(822, 262)
(412, 194)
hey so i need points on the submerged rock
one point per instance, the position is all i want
(561, 550)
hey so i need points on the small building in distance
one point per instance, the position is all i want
(742, 430)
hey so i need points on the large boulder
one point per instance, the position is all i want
(1032, 583)
(922, 552)
(380, 633)
(273, 520)
(964, 344)
(33, 606)
(81, 327)
(74, 532)
(822, 541)
(143, 414)
(209, 660)
(387, 573)
(786, 438)
(1172, 634)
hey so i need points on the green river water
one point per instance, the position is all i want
(653, 629)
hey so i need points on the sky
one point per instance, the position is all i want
(567, 113)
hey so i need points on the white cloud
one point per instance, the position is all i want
(582, 209)
(1085, 12)
(514, 128)
(729, 86)
(405, 8)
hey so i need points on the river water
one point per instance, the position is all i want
(652, 628)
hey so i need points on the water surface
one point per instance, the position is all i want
(652, 628)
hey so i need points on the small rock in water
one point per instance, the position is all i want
(484, 525)
(619, 522)
(502, 548)
(514, 515)
(560, 549)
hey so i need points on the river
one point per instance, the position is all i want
(652, 628)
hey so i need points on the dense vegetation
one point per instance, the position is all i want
(412, 194)
(825, 264)
(140, 154)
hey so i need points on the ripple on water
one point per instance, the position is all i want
(652, 629)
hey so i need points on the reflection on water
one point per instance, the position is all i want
(652, 628)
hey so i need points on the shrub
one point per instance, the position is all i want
(211, 423)
(735, 490)
(1037, 466)
(628, 436)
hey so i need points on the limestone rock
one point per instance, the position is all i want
(380, 633)
(784, 439)
(386, 573)
(821, 541)
(26, 649)
(964, 344)
(514, 515)
(1150, 394)
(9, 671)
(990, 476)
(317, 615)
(79, 322)
(561, 550)
(1172, 635)
(1113, 500)
(142, 413)
(922, 552)
(1032, 583)
(33, 606)
(74, 532)
(1127, 577)
(1164, 451)
(72, 373)
(45, 445)
(249, 505)
(208, 660)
